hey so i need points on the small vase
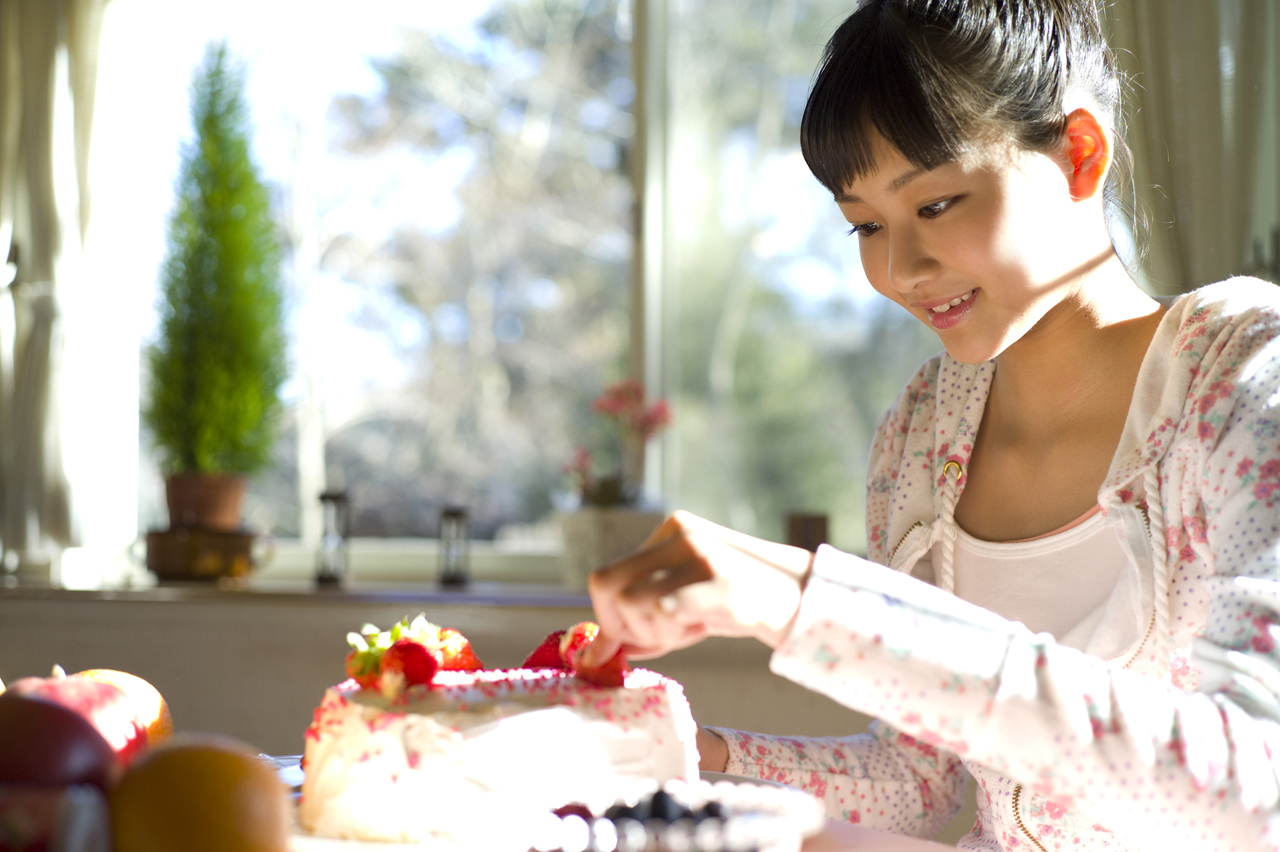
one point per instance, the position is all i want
(207, 501)
(597, 536)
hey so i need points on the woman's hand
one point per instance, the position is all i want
(713, 751)
(693, 579)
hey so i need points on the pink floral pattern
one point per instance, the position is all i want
(1109, 755)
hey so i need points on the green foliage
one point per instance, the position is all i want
(217, 368)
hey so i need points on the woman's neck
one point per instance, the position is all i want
(1081, 360)
(1057, 408)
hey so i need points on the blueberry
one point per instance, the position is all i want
(711, 810)
(617, 812)
(663, 807)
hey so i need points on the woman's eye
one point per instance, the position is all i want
(936, 209)
(864, 230)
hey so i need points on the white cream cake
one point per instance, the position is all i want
(462, 759)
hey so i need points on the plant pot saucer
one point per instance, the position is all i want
(194, 554)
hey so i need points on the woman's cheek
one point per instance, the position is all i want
(876, 268)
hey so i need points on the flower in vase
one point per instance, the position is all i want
(623, 403)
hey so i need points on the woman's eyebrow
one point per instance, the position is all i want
(896, 184)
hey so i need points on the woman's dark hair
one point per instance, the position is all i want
(934, 77)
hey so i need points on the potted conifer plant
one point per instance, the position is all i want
(217, 367)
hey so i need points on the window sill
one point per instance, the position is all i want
(416, 561)
(286, 566)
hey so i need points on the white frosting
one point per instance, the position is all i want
(465, 758)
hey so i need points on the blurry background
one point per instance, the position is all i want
(493, 208)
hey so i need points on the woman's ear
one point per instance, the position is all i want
(1088, 152)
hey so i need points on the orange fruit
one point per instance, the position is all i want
(206, 794)
(146, 700)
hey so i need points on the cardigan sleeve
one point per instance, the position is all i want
(1231, 512)
(882, 779)
(1166, 766)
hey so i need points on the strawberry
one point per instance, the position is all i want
(363, 660)
(447, 649)
(362, 667)
(546, 655)
(575, 639)
(613, 673)
(574, 808)
(455, 654)
(410, 660)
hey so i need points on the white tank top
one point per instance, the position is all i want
(1076, 584)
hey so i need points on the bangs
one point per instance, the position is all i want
(874, 78)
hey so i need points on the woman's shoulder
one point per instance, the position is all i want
(1221, 331)
(1234, 305)
(1212, 367)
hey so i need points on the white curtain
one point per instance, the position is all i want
(35, 517)
(1194, 128)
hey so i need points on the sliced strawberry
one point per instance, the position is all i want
(576, 638)
(411, 660)
(546, 655)
(362, 667)
(455, 652)
(575, 641)
(613, 673)
(574, 809)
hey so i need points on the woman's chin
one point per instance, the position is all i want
(969, 352)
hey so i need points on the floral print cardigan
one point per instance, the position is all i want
(1175, 744)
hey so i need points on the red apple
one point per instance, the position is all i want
(104, 706)
(45, 743)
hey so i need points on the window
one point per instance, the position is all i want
(454, 187)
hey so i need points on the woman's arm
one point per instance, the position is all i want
(1169, 769)
(882, 779)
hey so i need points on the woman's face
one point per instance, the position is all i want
(979, 250)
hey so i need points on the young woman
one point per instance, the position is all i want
(1074, 511)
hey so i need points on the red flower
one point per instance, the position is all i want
(624, 402)
(652, 420)
(637, 420)
(620, 399)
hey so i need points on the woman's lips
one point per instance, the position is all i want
(948, 314)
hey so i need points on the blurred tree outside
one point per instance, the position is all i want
(503, 298)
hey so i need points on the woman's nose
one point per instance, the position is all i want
(910, 262)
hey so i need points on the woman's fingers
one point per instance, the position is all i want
(626, 595)
(695, 579)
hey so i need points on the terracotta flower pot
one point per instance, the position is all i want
(205, 501)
